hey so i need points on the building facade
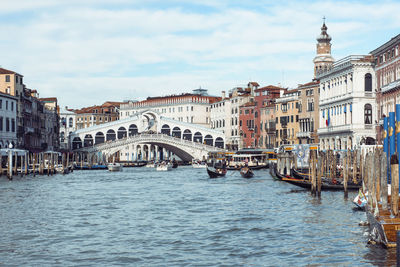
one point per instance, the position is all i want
(347, 103)
(308, 113)
(190, 107)
(95, 115)
(263, 97)
(267, 126)
(8, 120)
(67, 126)
(287, 118)
(224, 115)
(51, 129)
(387, 69)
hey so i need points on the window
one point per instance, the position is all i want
(1, 103)
(7, 78)
(368, 114)
(1, 123)
(368, 82)
(7, 124)
(6, 105)
(13, 125)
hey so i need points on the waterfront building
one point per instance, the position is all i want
(387, 68)
(308, 113)
(11, 83)
(67, 126)
(95, 115)
(8, 119)
(287, 118)
(263, 97)
(50, 136)
(224, 114)
(347, 103)
(267, 126)
(247, 125)
(189, 107)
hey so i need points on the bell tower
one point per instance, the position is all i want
(323, 60)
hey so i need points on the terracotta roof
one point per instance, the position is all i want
(4, 71)
(270, 88)
(48, 99)
(248, 104)
(254, 83)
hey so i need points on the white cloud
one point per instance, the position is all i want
(69, 48)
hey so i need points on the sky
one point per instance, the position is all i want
(87, 52)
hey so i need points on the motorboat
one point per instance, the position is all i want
(163, 166)
(114, 167)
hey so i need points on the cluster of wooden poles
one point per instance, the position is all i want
(15, 163)
(326, 165)
(22, 162)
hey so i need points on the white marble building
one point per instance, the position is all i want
(67, 126)
(225, 115)
(347, 106)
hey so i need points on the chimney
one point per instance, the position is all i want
(223, 94)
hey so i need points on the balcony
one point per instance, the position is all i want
(390, 86)
(303, 134)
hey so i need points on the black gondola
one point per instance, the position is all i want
(174, 164)
(216, 172)
(246, 172)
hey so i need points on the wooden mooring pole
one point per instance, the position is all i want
(394, 165)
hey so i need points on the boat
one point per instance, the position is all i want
(246, 172)
(199, 164)
(304, 183)
(216, 172)
(174, 164)
(150, 164)
(361, 199)
(114, 167)
(163, 166)
(253, 158)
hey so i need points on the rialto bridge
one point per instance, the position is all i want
(148, 136)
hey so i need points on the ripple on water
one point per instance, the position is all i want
(178, 218)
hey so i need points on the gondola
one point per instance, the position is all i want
(246, 172)
(216, 172)
(305, 183)
(174, 164)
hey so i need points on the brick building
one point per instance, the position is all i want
(387, 69)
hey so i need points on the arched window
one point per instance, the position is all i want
(368, 114)
(368, 82)
(71, 122)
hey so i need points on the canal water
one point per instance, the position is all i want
(141, 217)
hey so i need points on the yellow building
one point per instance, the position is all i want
(287, 118)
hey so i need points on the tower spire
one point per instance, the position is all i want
(323, 60)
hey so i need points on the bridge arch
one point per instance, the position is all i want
(111, 135)
(121, 133)
(165, 129)
(176, 132)
(219, 142)
(76, 143)
(99, 138)
(198, 137)
(208, 140)
(88, 140)
(187, 135)
(133, 129)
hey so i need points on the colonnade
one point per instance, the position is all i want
(146, 152)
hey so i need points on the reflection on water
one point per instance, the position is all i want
(144, 217)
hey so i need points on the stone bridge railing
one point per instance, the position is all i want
(148, 138)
